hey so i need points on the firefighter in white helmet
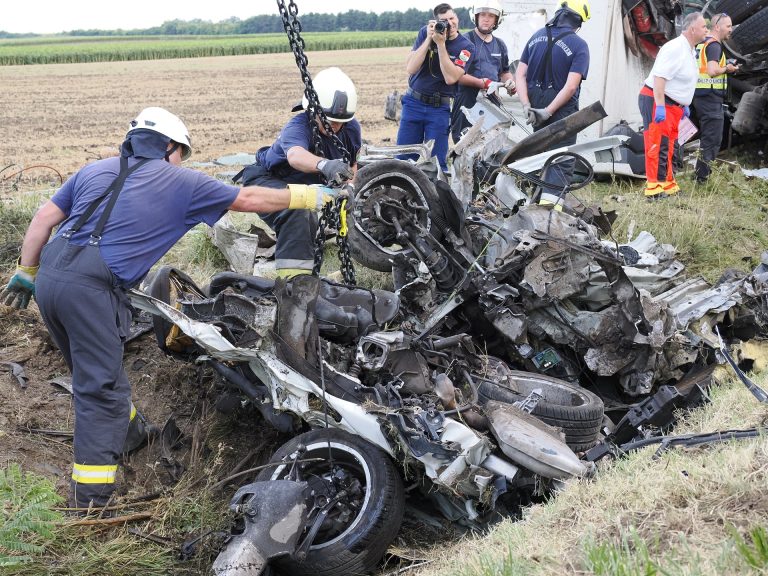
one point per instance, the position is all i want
(118, 217)
(295, 158)
(552, 67)
(490, 63)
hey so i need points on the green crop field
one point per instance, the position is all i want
(67, 50)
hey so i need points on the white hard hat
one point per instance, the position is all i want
(336, 94)
(163, 122)
(490, 6)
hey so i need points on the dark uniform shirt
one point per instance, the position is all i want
(298, 132)
(569, 54)
(429, 78)
(158, 204)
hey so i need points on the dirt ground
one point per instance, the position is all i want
(56, 118)
(64, 115)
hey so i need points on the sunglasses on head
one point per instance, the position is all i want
(719, 17)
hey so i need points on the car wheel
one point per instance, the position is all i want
(357, 532)
(378, 187)
(576, 411)
(740, 10)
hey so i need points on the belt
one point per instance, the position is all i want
(648, 91)
(435, 99)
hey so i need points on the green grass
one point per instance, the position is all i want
(719, 225)
(27, 519)
(67, 50)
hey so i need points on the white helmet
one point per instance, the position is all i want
(336, 94)
(490, 6)
(163, 122)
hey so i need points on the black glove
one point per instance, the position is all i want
(336, 172)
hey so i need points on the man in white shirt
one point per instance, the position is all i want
(664, 100)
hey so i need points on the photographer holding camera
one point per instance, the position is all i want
(438, 59)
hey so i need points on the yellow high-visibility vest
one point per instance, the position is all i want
(706, 81)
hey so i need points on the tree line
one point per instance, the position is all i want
(352, 20)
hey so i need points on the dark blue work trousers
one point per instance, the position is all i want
(421, 122)
(559, 173)
(710, 116)
(89, 318)
(295, 229)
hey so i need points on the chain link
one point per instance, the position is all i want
(330, 215)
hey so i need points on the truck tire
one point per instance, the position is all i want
(752, 34)
(371, 242)
(371, 521)
(576, 411)
(740, 10)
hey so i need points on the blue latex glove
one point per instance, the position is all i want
(687, 111)
(20, 288)
(661, 114)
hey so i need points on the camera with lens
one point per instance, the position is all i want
(442, 26)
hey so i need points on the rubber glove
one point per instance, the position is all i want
(335, 172)
(510, 87)
(661, 114)
(687, 111)
(537, 116)
(310, 197)
(20, 288)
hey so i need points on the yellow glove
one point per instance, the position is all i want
(313, 197)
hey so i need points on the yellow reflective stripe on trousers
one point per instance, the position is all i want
(94, 474)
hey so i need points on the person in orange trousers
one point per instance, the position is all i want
(664, 100)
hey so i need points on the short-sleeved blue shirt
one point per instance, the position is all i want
(429, 78)
(158, 204)
(489, 59)
(569, 54)
(298, 132)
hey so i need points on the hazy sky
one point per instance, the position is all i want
(52, 16)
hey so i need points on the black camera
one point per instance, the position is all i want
(442, 26)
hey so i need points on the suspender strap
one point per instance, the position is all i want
(114, 188)
(543, 72)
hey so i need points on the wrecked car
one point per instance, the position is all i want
(372, 409)
(515, 337)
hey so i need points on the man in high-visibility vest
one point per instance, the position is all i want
(710, 92)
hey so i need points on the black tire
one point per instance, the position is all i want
(364, 540)
(373, 243)
(576, 411)
(740, 10)
(752, 34)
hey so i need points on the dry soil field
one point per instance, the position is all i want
(64, 115)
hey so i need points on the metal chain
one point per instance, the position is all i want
(292, 27)
(330, 215)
